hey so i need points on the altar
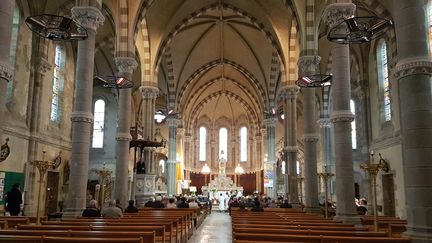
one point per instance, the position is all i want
(221, 184)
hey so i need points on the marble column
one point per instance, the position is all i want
(33, 111)
(290, 142)
(82, 117)
(270, 164)
(308, 65)
(413, 72)
(172, 154)
(125, 65)
(341, 117)
(149, 95)
(6, 71)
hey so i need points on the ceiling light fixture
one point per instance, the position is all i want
(57, 28)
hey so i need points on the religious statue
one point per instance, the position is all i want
(222, 164)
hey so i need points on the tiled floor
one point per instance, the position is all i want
(215, 229)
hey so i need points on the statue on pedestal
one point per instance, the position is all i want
(222, 164)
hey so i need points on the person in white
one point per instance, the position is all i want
(239, 194)
(221, 202)
(193, 204)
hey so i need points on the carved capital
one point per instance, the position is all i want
(88, 17)
(123, 136)
(43, 66)
(337, 12)
(125, 65)
(270, 122)
(173, 122)
(82, 117)
(342, 116)
(308, 65)
(324, 122)
(310, 137)
(149, 92)
(181, 132)
(6, 71)
(290, 91)
(413, 66)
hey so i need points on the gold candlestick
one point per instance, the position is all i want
(372, 170)
(325, 176)
(103, 174)
(42, 166)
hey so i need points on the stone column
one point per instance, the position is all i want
(308, 66)
(413, 72)
(147, 180)
(172, 155)
(41, 67)
(125, 65)
(270, 164)
(6, 71)
(82, 117)
(342, 117)
(290, 142)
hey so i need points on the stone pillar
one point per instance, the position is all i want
(308, 66)
(125, 65)
(82, 117)
(41, 67)
(6, 71)
(147, 180)
(172, 155)
(413, 72)
(290, 142)
(342, 117)
(270, 164)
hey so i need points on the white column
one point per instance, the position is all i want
(342, 117)
(172, 154)
(82, 117)
(125, 65)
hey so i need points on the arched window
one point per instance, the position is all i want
(58, 83)
(429, 24)
(99, 123)
(12, 51)
(383, 78)
(223, 143)
(353, 126)
(202, 143)
(243, 144)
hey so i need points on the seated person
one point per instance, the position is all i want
(149, 203)
(92, 210)
(158, 203)
(119, 205)
(171, 203)
(131, 208)
(361, 208)
(183, 203)
(286, 204)
(112, 211)
(193, 203)
(257, 207)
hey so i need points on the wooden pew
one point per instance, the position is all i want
(310, 232)
(395, 230)
(300, 227)
(13, 221)
(255, 237)
(3, 224)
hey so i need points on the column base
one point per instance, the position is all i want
(349, 219)
(418, 235)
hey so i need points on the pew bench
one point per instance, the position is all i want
(53, 239)
(310, 232)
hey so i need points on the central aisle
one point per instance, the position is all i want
(215, 228)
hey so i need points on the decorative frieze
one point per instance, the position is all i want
(342, 116)
(82, 117)
(88, 17)
(413, 66)
(310, 137)
(123, 136)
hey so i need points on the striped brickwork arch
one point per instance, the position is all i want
(252, 117)
(146, 65)
(293, 54)
(206, 67)
(201, 89)
(124, 45)
(274, 70)
(171, 81)
(251, 19)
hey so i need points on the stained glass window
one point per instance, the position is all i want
(223, 143)
(13, 50)
(353, 127)
(99, 124)
(58, 83)
(202, 143)
(243, 144)
(383, 78)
